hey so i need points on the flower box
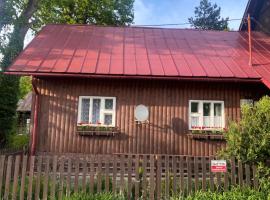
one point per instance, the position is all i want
(88, 130)
(207, 134)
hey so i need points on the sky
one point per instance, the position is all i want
(178, 11)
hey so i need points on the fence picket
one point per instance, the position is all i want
(181, 170)
(147, 173)
(240, 173)
(68, 179)
(226, 181)
(24, 166)
(174, 173)
(144, 178)
(152, 177)
(115, 158)
(98, 174)
(189, 173)
(122, 171)
(211, 178)
(8, 176)
(37, 188)
(167, 177)
(233, 178)
(61, 181)
(158, 178)
(203, 174)
(46, 178)
(92, 171)
(255, 178)
(137, 176)
(2, 166)
(129, 176)
(247, 173)
(54, 177)
(15, 177)
(84, 166)
(196, 176)
(76, 179)
(31, 176)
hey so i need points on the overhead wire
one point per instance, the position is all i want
(180, 24)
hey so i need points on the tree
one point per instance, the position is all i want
(22, 15)
(249, 140)
(207, 17)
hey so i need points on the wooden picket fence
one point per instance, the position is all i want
(136, 176)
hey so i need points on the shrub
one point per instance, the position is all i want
(233, 194)
(98, 196)
(249, 140)
(18, 141)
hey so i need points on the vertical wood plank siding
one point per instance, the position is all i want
(168, 103)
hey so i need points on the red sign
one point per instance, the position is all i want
(218, 166)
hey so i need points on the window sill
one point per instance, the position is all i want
(204, 136)
(97, 133)
(96, 130)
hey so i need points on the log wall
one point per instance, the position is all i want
(166, 132)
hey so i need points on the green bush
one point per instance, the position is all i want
(18, 141)
(100, 196)
(249, 140)
(235, 194)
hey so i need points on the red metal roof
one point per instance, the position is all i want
(83, 50)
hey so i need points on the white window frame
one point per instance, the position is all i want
(200, 114)
(103, 111)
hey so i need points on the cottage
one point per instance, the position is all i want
(91, 83)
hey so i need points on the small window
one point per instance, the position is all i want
(194, 107)
(97, 110)
(246, 102)
(207, 115)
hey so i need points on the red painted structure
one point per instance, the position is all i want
(137, 53)
(144, 53)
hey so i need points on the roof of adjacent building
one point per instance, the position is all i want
(24, 105)
(259, 12)
(85, 50)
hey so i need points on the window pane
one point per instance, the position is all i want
(217, 109)
(108, 119)
(194, 107)
(206, 115)
(109, 104)
(206, 109)
(195, 122)
(85, 110)
(96, 111)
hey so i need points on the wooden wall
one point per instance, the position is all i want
(168, 105)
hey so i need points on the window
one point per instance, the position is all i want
(246, 101)
(96, 110)
(206, 115)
